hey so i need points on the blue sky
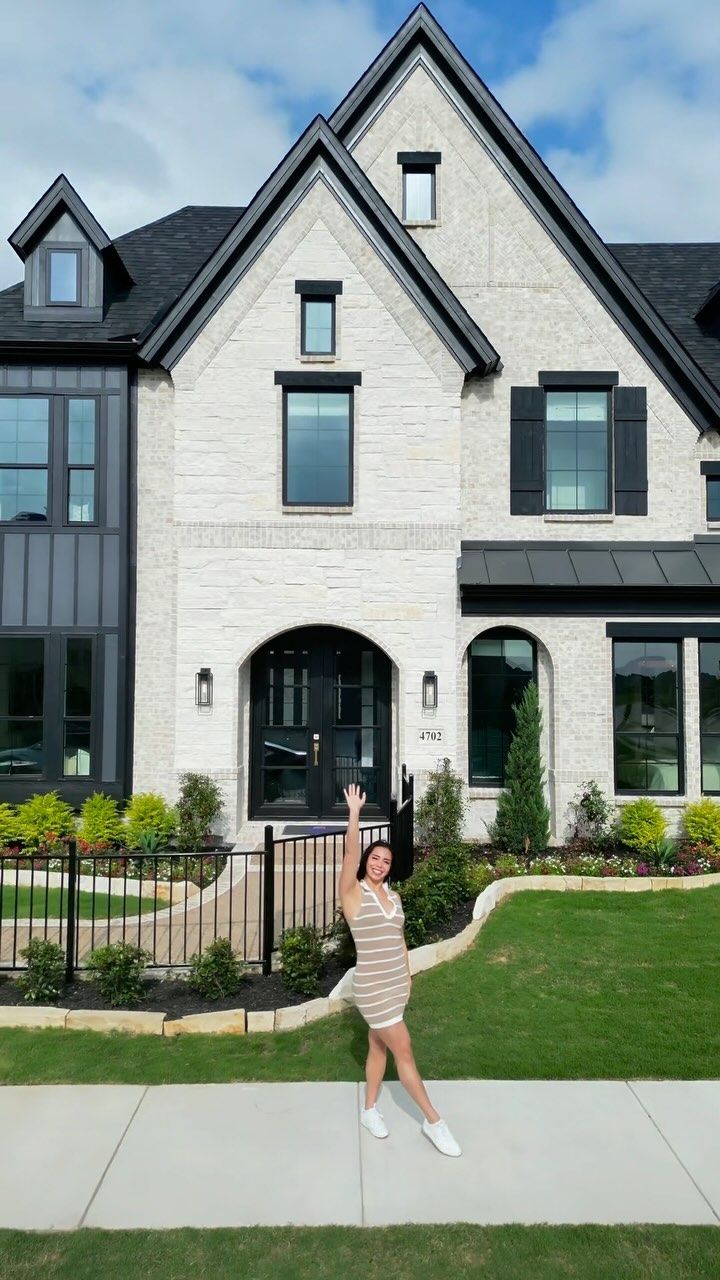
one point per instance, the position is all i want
(170, 102)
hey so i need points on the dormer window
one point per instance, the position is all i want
(419, 185)
(63, 277)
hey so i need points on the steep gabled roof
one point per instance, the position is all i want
(319, 156)
(422, 38)
(61, 196)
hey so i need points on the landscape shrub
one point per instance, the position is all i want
(43, 818)
(217, 972)
(479, 876)
(147, 812)
(701, 821)
(522, 824)
(433, 892)
(641, 825)
(100, 822)
(8, 824)
(301, 959)
(117, 970)
(341, 940)
(507, 864)
(440, 812)
(593, 813)
(44, 978)
(199, 806)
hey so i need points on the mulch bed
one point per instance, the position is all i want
(175, 998)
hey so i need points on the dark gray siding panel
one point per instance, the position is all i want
(110, 581)
(88, 581)
(13, 579)
(63, 580)
(110, 710)
(113, 462)
(38, 580)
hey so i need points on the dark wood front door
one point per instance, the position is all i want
(320, 720)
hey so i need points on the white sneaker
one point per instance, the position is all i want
(372, 1119)
(441, 1136)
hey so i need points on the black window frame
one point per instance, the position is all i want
(67, 638)
(13, 633)
(710, 479)
(22, 393)
(66, 249)
(68, 466)
(305, 298)
(343, 388)
(420, 168)
(680, 677)
(494, 633)
(704, 791)
(572, 388)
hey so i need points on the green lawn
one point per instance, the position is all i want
(557, 986)
(27, 902)
(403, 1253)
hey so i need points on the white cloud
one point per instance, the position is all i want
(642, 77)
(149, 106)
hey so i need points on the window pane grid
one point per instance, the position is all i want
(317, 448)
(576, 450)
(77, 707)
(81, 458)
(501, 667)
(24, 453)
(22, 680)
(647, 716)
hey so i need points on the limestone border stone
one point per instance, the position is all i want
(289, 1018)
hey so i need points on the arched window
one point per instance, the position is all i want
(501, 664)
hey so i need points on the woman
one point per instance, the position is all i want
(381, 984)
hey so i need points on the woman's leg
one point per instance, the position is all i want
(397, 1039)
(374, 1067)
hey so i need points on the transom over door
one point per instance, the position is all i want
(320, 720)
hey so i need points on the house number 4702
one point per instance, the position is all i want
(431, 735)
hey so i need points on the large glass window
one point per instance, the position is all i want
(318, 326)
(712, 484)
(24, 443)
(318, 448)
(419, 193)
(710, 715)
(502, 664)
(81, 450)
(77, 706)
(577, 450)
(22, 679)
(648, 753)
(63, 276)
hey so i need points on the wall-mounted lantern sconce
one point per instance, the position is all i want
(204, 687)
(429, 691)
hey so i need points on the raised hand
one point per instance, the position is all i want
(355, 797)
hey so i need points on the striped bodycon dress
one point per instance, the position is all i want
(381, 985)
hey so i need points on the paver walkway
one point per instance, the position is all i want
(266, 1154)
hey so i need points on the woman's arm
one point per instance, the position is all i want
(351, 858)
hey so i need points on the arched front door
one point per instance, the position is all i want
(320, 720)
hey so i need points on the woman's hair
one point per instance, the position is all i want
(376, 844)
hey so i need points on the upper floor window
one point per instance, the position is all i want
(501, 666)
(647, 716)
(317, 333)
(24, 457)
(63, 277)
(713, 497)
(577, 451)
(317, 447)
(419, 185)
(81, 455)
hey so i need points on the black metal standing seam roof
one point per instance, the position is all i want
(161, 258)
(677, 279)
(596, 564)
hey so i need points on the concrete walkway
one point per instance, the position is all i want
(267, 1154)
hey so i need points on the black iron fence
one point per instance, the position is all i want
(174, 904)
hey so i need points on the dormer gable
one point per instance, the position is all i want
(68, 257)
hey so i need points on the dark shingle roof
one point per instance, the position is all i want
(161, 258)
(676, 279)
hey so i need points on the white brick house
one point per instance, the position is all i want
(359, 466)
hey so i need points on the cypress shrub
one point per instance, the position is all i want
(522, 824)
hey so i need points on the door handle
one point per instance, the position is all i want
(316, 748)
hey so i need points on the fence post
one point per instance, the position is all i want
(268, 934)
(394, 827)
(72, 891)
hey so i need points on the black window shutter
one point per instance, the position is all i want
(527, 451)
(630, 419)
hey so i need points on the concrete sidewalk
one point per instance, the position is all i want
(268, 1154)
